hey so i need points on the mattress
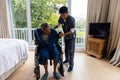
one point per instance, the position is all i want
(12, 52)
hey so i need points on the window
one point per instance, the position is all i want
(79, 12)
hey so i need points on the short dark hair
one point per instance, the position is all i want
(63, 9)
(44, 26)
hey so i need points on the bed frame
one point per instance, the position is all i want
(9, 72)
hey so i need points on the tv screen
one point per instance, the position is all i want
(99, 29)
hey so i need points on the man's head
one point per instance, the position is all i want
(45, 27)
(63, 12)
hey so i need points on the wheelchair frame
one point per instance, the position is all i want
(37, 67)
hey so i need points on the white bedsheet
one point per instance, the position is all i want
(12, 51)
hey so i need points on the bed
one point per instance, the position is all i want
(13, 53)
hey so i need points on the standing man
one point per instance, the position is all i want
(68, 26)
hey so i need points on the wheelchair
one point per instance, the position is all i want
(36, 59)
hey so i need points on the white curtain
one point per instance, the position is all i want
(4, 30)
(114, 41)
(114, 18)
(107, 11)
(97, 12)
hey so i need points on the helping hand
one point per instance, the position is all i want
(56, 27)
(61, 35)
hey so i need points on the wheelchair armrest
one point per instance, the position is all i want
(36, 50)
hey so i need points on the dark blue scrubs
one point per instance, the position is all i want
(47, 50)
(67, 25)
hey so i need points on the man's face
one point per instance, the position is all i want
(46, 31)
(64, 15)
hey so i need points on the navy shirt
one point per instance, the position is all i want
(67, 25)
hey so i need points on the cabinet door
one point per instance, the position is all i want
(94, 46)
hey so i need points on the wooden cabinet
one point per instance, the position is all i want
(96, 47)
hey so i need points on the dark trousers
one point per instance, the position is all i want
(69, 50)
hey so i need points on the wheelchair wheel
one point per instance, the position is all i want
(61, 70)
(37, 73)
(37, 78)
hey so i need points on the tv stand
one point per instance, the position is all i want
(96, 47)
(100, 37)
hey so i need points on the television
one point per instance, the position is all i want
(99, 30)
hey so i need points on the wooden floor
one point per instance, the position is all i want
(86, 68)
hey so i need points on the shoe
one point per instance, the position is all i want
(70, 68)
(44, 77)
(65, 62)
(56, 75)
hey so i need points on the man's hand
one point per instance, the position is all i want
(56, 26)
(61, 35)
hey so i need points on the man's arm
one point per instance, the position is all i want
(56, 26)
(72, 26)
(38, 39)
(65, 34)
(69, 32)
(59, 22)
